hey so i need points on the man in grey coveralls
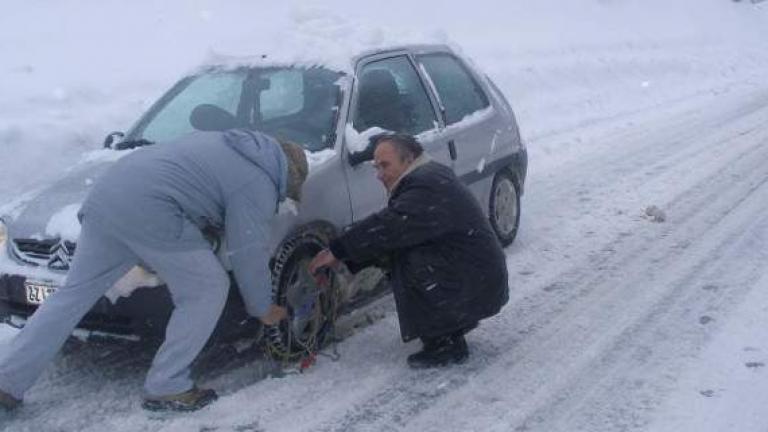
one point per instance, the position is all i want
(148, 209)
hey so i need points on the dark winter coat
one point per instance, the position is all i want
(448, 270)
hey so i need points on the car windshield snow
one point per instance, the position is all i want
(295, 104)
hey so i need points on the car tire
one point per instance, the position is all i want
(311, 309)
(504, 207)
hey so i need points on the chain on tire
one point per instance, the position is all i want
(311, 309)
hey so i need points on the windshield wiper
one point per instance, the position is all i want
(131, 144)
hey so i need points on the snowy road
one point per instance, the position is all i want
(610, 310)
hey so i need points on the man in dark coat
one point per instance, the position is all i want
(446, 266)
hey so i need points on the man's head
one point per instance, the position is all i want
(297, 168)
(392, 156)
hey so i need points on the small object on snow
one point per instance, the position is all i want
(307, 361)
(704, 320)
(754, 365)
(707, 393)
(655, 214)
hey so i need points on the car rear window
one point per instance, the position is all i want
(391, 96)
(459, 93)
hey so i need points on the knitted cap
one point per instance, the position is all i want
(297, 168)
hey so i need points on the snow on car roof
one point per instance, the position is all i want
(318, 42)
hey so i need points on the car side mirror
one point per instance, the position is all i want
(358, 157)
(112, 137)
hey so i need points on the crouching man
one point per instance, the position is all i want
(149, 209)
(446, 266)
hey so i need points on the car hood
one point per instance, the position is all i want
(52, 212)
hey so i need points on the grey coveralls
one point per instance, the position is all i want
(148, 209)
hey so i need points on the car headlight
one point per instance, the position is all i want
(3, 232)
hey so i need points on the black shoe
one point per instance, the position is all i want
(8, 402)
(442, 351)
(191, 400)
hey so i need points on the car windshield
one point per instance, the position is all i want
(295, 104)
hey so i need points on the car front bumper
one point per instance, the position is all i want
(145, 313)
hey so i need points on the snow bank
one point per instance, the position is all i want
(582, 61)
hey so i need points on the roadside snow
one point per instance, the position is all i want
(726, 388)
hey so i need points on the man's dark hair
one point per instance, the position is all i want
(406, 145)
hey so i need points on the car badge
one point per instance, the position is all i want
(60, 257)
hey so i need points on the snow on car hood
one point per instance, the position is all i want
(52, 212)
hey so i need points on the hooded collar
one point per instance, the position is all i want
(418, 162)
(264, 152)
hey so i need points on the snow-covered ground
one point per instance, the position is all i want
(617, 321)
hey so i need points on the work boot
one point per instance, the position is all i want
(191, 400)
(8, 402)
(441, 351)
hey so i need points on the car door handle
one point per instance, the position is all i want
(452, 149)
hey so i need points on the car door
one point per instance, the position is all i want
(388, 94)
(471, 123)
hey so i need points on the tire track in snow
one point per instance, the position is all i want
(393, 408)
(704, 216)
(641, 362)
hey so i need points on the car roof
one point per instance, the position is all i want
(414, 48)
(218, 61)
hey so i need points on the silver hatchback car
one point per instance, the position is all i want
(457, 113)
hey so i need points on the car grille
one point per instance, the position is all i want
(55, 253)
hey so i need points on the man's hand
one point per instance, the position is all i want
(323, 260)
(274, 315)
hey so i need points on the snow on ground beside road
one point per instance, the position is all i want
(559, 67)
(615, 322)
(726, 390)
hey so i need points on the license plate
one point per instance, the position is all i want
(36, 291)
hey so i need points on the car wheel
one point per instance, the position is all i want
(311, 308)
(504, 207)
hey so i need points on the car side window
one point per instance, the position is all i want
(391, 96)
(459, 92)
(220, 89)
